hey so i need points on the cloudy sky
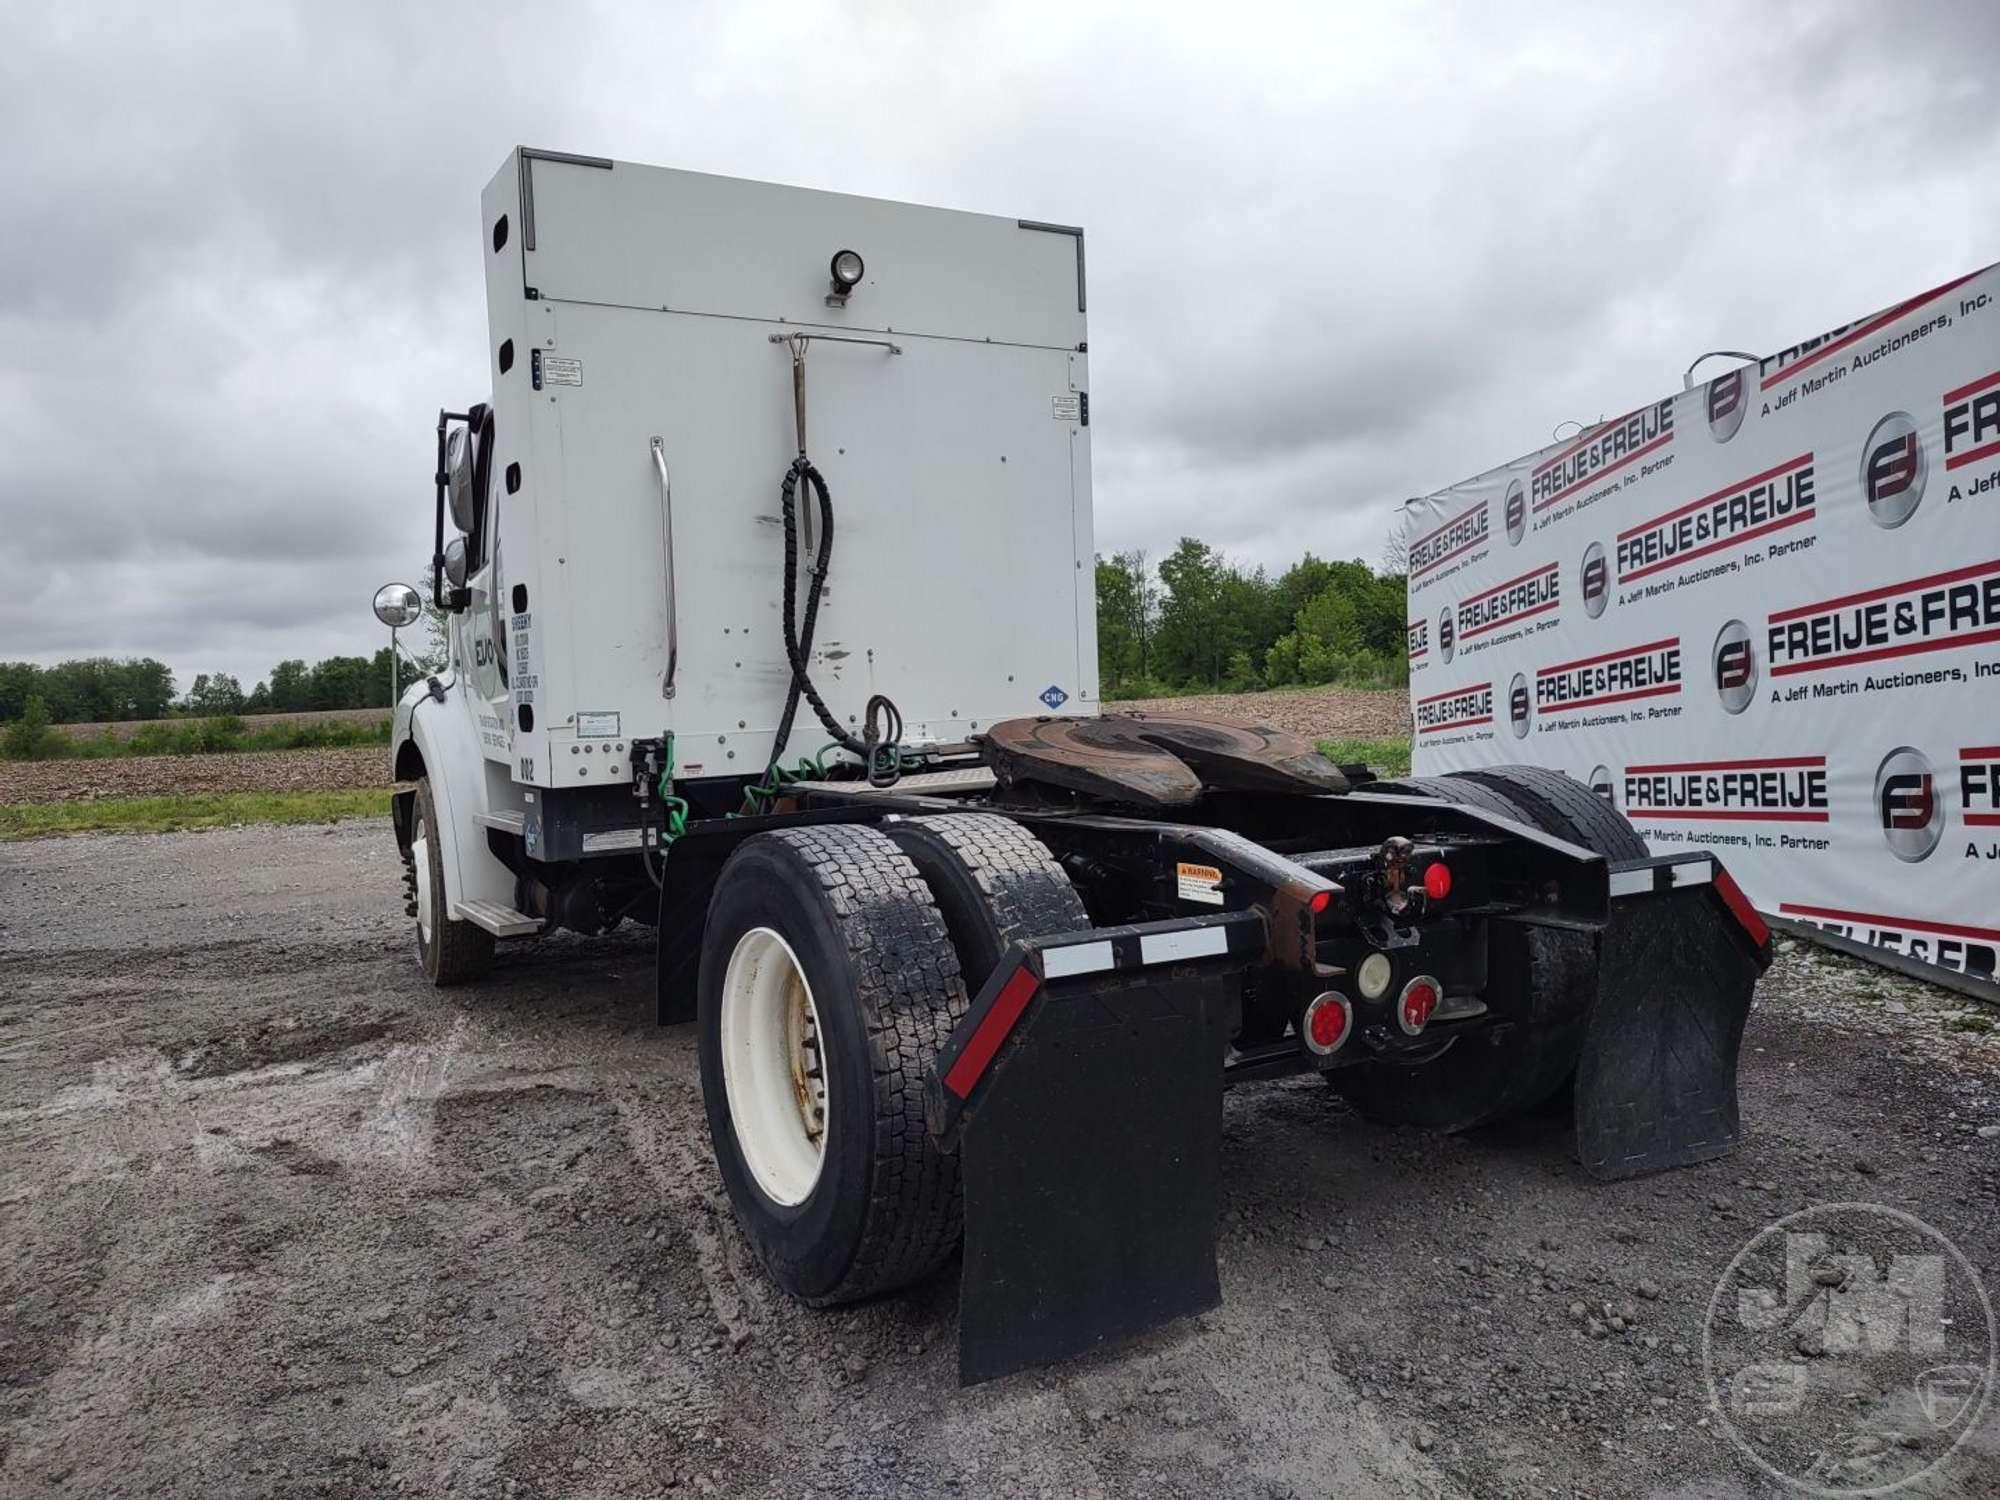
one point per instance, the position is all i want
(1338, 255)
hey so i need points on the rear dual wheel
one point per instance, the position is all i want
(836, 961)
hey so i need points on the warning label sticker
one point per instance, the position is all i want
(559, 369)
(1067, 408)
(1201, 883)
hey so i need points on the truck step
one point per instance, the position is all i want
(501, 921)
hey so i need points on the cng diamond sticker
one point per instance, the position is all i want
(1054, 696)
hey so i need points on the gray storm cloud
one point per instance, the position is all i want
(1337, 255)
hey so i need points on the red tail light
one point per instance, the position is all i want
(1419, 998)
(1327, 1022)
(1437, 880)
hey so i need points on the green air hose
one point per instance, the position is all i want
(777, 778)
(675, 807)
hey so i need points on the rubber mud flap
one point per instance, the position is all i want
(1656, 1084)
(1091, 1163)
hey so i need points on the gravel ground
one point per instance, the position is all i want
(277, 1219)
(360, 766)
(1317, 714)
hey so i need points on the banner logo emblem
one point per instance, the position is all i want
(1596, 580)
(1735, 664)
(1517, 706)
(1517, 513)
(1893, 470)
(1725, 405)
(1906, 799)
(1447, 633)
(1603, 786)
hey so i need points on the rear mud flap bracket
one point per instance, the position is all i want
(1083, 1094)
(1656, 1082)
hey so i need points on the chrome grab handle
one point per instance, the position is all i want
(797, 343)
(667, 534)
(796, 339)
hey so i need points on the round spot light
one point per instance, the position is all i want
(1374, 976)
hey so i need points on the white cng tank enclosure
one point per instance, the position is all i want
(641, 324)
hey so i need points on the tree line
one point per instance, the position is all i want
(1195, 622)
(1198, 622)
(99, 689)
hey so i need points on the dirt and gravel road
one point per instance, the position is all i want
(276, 1219)
(35, 781)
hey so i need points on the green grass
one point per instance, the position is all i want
(217, 736)
(1384, 757)
(171, 814)
(221, 810)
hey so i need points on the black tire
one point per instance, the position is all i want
(1562, 806)
(1538, 978)
(1463, 793)
(994, 881)
(885, 1209)
(452, 952)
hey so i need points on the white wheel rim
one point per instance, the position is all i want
(773, 1067)
(420, 856)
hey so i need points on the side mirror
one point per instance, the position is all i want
(454, 563)
(397, 605)
(458, 465)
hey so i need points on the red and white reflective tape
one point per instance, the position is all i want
(1692, 869)
(1698, 869)
(992, 1030)
(1102, 950)
(1078, 958)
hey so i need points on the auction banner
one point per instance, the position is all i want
(1761, 617)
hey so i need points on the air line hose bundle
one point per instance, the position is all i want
(758, 796)
(878, 746)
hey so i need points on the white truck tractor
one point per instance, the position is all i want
(771, 592)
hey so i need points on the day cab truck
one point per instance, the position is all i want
(769, 571)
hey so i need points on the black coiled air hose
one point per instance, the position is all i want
(879, 746)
